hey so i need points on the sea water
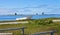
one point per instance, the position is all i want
(13, 17)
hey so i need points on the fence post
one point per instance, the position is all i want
(23, 31)
(52, 33)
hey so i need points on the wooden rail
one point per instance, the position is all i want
(48, 32)
(22, 28)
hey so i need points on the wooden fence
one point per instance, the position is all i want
(22, 28)
(48, 32)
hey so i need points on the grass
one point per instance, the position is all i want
(33, 26)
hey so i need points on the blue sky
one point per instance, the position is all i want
(29, 6)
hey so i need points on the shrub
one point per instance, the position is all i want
(45, 22)
(41, 21)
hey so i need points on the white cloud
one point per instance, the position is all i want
(7, 11)
(32, 10)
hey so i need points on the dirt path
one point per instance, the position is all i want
(13, 22)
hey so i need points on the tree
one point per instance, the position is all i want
(15, 13)
(42, 13)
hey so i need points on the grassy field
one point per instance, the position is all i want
(39, 25)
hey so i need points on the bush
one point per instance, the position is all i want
(41, 21)
(45, 21)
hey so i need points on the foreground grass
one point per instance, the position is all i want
(33, 27)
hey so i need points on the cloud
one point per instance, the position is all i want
(32, 10)
(7, 11)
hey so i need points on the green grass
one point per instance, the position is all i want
(34, 26)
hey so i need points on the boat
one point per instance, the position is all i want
(24, 18)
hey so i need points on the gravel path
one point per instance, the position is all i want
(56, 20)
(14, 22)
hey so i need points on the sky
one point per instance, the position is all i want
(29, 6)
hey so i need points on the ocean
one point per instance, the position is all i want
(12, 17)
